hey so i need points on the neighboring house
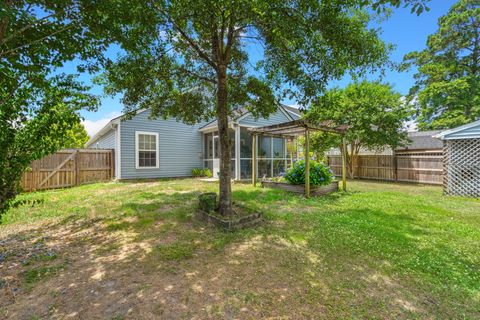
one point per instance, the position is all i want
(462, 160)
(157, 148)
(421, 142)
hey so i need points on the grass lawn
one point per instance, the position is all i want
(133, 251)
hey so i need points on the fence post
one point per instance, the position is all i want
(344, 164)
(395, 166)
(112, 164)
(76, 161)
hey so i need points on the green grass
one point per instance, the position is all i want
(36, 274)
(174, 251)
(381, 250)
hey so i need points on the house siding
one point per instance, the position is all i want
(180, 147)
(275, 118)
(107, 141)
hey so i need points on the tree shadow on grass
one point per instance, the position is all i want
(149, 259)
(145, 243)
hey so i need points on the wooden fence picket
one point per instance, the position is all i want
(68, 168)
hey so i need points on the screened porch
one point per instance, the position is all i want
(273, 154)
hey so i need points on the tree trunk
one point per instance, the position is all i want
(225, 202)
(7, 193)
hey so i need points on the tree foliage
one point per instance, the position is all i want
(38, 106)
(374, 112)
(76, 137)
(447, 88)
(320, 143)
(192, 60)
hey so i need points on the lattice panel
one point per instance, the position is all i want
(462, 162)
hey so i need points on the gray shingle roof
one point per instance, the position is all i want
(423, 140)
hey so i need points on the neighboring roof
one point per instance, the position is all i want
(423, 140)
(468, 131)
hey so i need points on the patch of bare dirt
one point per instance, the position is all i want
(96, 274)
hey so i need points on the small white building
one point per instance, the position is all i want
(462, 160)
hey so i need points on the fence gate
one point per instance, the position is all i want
(67, 168)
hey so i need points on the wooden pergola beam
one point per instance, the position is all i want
(298, 127)
(292, 129)
(307, 164)
(344, 164)
(254, 160)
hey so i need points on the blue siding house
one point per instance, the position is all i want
(161, 148)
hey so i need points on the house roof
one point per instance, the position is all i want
(242, 112)
(107, 128)
(212, 124)
(467, 131)
(423, 140)
(293, 110)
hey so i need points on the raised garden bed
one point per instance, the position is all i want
(242, 218)
(300, 189)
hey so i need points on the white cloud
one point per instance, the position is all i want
(93, 127)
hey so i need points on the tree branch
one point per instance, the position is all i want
(3, 53)
(196, 75)
(26, 27)
(230, 39)
(187, 38)
(4, 21)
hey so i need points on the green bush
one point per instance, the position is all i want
(320, 174)
(207, 201)
(201, 172)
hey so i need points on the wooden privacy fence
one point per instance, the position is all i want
(419, 167)
(68, 168)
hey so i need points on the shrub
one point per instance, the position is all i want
(207, 201)
(201, 172)
(320, 174)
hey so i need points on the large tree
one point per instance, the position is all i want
(39, 105)
(447, 88)
(193, 59)
(375, 113)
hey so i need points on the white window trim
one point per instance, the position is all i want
(157, 158)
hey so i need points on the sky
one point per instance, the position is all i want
(407, 31)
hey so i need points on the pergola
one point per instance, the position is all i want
(293, 129)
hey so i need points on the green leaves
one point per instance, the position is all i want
(39, 107)
(447, 89)
(375, 113)
(320, 174)
(304, 45)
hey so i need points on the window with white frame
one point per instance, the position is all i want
(146, 151)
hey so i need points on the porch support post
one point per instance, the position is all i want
(307, 163)
(292, 147)
(344, 163)
(254, 160)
